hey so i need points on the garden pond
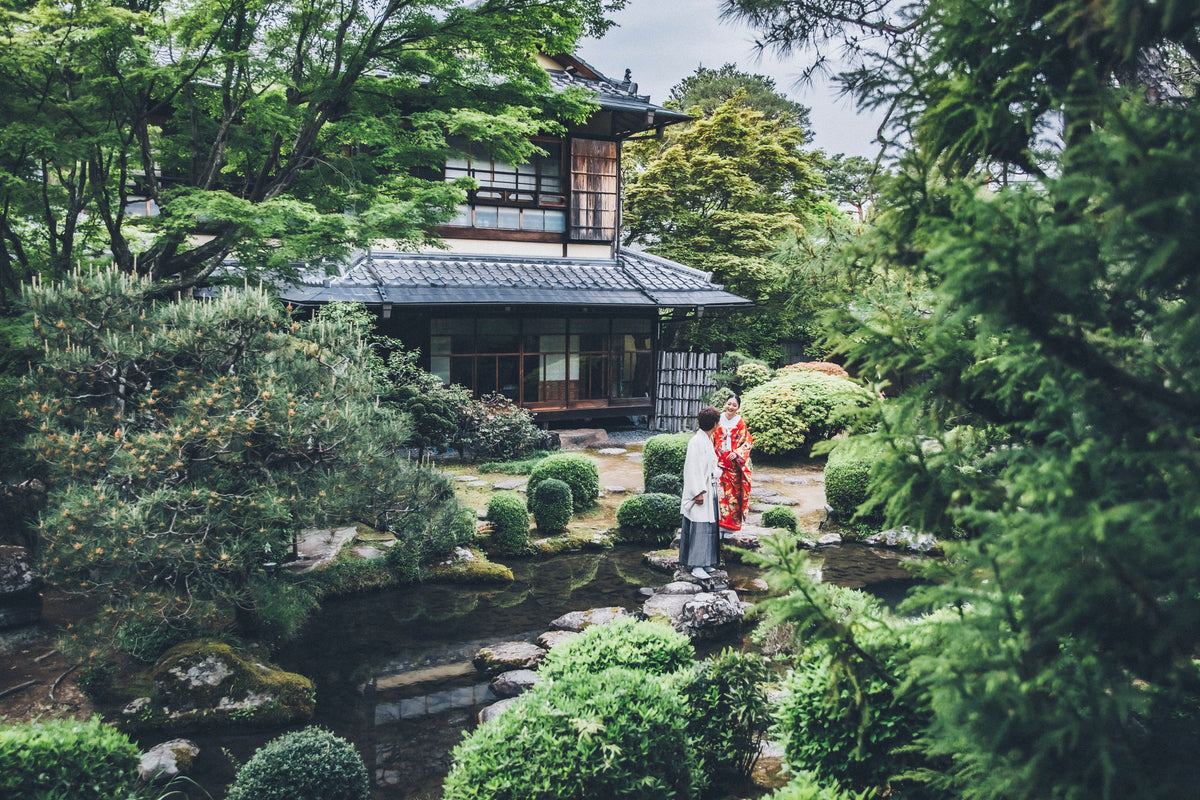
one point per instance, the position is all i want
(393, 670)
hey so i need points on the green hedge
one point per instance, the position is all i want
(664, 455)
(665, 484)
(624, 642)
(779, 517)
(618, 735)
(848, 479)
(510, 522)
(66, 760)
(312, 764)
(575, 470)
(654, 516)
(551, 505)
(795, 410)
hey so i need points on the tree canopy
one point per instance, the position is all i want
(719, 194)
(166, 137)
(1043, 223)
(705, 90)
(185, 444)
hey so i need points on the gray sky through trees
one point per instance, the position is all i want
(664, 41)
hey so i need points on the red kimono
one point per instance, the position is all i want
(733, 443)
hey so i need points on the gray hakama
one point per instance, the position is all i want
(698, 543)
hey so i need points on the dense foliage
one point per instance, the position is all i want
(185, 443)
(309, 763)
(618, 734)
(633, 644)
(510, 522)
(551, 505)
(664, 454)
(650, 514)
(574, 469)
(66, 760)
(795, 410)
(265, 123)
(1043, 228)
(729, 714)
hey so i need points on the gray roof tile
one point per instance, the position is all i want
(631, 279)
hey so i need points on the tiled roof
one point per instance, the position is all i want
(439, 279)
(618, 96)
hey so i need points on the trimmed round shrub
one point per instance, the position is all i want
(665, 484)
(650, 515)
(664, 455)
(64, 758)
(617, 734)
(828, 367)
(779, 517)
(310, 763)
(625, 642)
(729, 712)
(792, 412)
(847, 479)
(551, 505)
(751, 375)
(510, 521)
(575, 470)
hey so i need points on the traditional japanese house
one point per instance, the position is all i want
(533, 296)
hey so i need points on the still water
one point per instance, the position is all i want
(393, 670)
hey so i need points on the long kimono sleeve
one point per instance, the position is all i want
(700, 470)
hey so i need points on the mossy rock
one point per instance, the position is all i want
(472, 568)
(207, 682)
(573, 541)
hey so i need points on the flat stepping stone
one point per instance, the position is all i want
(578, 620)
(830, 538)
(797, 480)
(495, 709)
(680, 587)
(706, 615)
(762, 491)
(506, 656)
(662, 560)
(612, 451)
(615, 489)
(466, 478)
(509, 485)
(514, 682)
(552, 639)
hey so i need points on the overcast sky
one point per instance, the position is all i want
(664, 41)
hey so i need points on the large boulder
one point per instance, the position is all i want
(20, 584)
(209, 683)
(698, 615)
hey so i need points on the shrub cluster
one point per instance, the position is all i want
(751, 375)
(795, 410)
(311, 763)
(727, 700)
(575, 470)
(651, 515)
(664, 454)
(614, 734)
(551, 505)
(827, 367)
(779, 517)
(510, 522)
(853, 731)
(665, 484)
(625, 642)
(66, 760)
(495, 428)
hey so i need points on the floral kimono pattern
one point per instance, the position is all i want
(733, 443)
